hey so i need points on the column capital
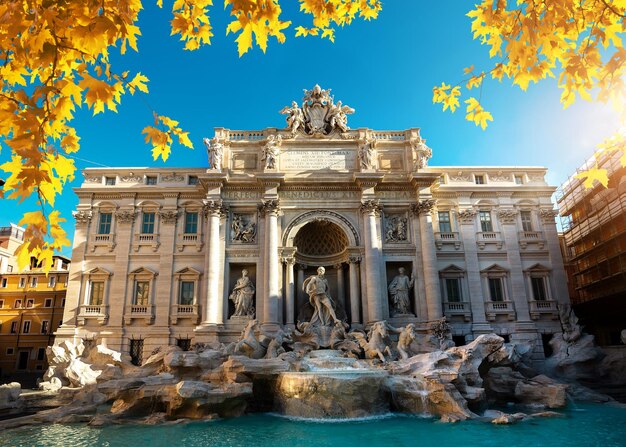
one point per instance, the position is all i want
(338, 266)
(547, 215)
(123, 216)
(354, 259)
(213, 207)
(371, 207)
(168, 216)
(423, 206)
(302, 267)
(466, 216)
(507, 216)
(82, 217)
(271, 206)
(289, 260)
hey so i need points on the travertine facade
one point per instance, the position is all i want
(159, 252)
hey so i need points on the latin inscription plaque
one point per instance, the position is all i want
(318, 160)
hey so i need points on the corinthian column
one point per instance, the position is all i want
(290, 295)
(270, 209)
(371, 210)
(429, 258)
(341, 293)
(355, 296)
(214, 304)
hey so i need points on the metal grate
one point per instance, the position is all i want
(136, 351)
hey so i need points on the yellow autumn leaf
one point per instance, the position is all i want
(593, 174)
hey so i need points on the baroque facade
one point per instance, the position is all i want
(159, 254)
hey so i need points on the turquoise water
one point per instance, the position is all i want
(586, 425)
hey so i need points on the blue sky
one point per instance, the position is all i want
(385, 69)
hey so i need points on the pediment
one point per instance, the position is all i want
(494, 268)
(143, 271)
(99, 271)
(537, 268)
(188, 271)
(452, 269)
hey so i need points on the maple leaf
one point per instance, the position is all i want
(593, 174)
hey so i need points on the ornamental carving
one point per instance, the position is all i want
(367, 154)
(271, 150)
(168, 217)
(507, 216)
(466, 216)
(371, 206)
(131, 179)
(172, 178)
(423, 206)
(215, 152)
(269, 206)
(318, 115)
(421, 153)
(213, 207)
(500, 177)
(548, 215)
(93, 179)
(536, 178)
(243, 229)
(82, 217)
(459, 177)
(125, 216)
(396, 228)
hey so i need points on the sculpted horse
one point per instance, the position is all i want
(377, 343)
(249, 345)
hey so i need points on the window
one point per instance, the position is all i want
(479, 179)
(104, 226)
(10, 351)
(41, 354)
(191, 223)
(17, 304)
(14, 327)
(1, 304)
(30, 303)
(519, 180)
(52, 281)
(496, 292)
(527, 224)
(22, 283)
(147, 223)
(444, 222)
(192, 180)
(110, 181)
(136, 351)
(485, 221)
(4, 282)
(453, 290)
(142, 290)
(47, 302)
(33, 281)
(151, 180)
(539, 288)
(45, 325)
(184, 343)
(26, 329)
(9, 268)
(96, 294)
(186, 292)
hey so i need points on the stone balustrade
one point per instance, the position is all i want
(443, 238)
(494, 308)
(189, 311)
(485, 238)
(543, 307)
(463, 309)
(98, 312)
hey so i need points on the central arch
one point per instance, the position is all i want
(294, 227)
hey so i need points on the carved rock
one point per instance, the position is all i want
(541, 390)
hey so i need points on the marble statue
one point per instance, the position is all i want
(242, 295)
(271, 151)
(396, 230)
(295, 118)
(366, 154)
(399, 291)
(243, 230)
(337, 116)
(407, 336)
(249, 345)
(319, 296)
(216, 152)
(376, 345)
(422, 153)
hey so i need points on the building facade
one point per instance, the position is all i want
(177, 256)
(594, 236)
(31, 309)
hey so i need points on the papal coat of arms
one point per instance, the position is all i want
(318, 115)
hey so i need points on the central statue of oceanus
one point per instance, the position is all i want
(319, 297)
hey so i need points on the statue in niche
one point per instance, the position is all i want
(295, 118)
(319, 296)
(242, 295)
(396, 230)
(271, 151)
(216, 152)
(366, 154)
(399, 291)
(243, 230)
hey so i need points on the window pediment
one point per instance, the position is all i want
(99, 272)
(188, 273)
(143, 272)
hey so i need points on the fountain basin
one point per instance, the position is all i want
(332, 394)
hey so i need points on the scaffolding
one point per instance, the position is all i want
(594, 231)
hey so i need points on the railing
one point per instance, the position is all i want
(93, 311)
(493, 308)
(488, 237)
(543, 307)
(106, 240)
(145, 237)
(185, 311)
(238, 135)
(457, 308)
(447, 236)
(151, 239)
(442, 238)
(138, 309)
(531, 237)
(189, 239)
(103, 237)
(390, 135)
